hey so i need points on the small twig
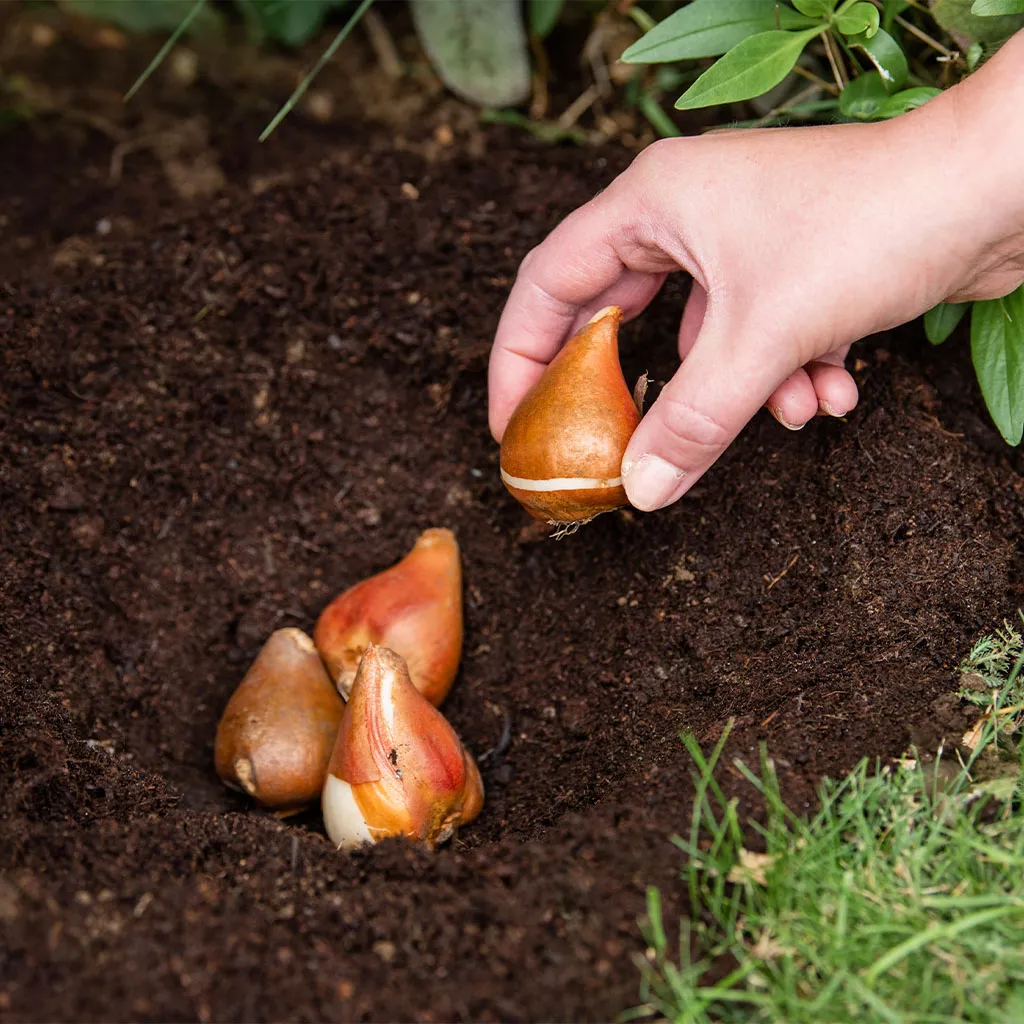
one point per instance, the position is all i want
(925, 38)
(579, 107)
(795, 101)
(775, 579)
(384, 48)
(820, 82)
(593, 53)
(833, 59)
(119, 152)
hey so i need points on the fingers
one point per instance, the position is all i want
(794, 401)
(632, 293)
(822, 387)
(575, 263)
(835, 389)
(594, 258)
(719, 387)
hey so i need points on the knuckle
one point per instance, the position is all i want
(657, 159)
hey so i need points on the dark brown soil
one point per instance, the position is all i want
(215, 416)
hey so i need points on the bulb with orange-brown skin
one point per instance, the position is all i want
(276, 734)
(561, 453)
(398, 768)
(414, 608)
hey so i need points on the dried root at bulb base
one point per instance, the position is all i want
(561, 454)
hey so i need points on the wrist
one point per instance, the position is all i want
(974, 150)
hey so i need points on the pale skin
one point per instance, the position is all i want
(800, 242)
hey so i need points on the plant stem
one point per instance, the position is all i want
(833, 59)
(307, 81)
(924, 37)
(659, 120)
(812, 77)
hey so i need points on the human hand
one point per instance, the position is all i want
(800, 242)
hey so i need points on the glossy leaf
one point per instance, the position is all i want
(907, 99)
(815, 8)
(290, 22)
(863, 97)
(941, 321)
(885, 53)
(544, 15)
(708, 28)
(749, 69)
(995, 8)
(477, 47)
(997, 349)
(861, 17)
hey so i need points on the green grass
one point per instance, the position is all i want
(900, 900)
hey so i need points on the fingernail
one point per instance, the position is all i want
(651, 482)
(827, 409)
(789, 426)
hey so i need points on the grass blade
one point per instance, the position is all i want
(165, 49)
(943, 931)
(307, 81)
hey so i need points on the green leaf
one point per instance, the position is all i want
(863, 96)
(477, 47)
(908, 99)
(940, 321)
(749, 69)
(288, 21)
(995, 8)
(148, 15)
(957, 18)
(861, 17)
(708, 28)
(884, 52)
(544, 16)
(974, 54)
(997, 348)
(815, 8)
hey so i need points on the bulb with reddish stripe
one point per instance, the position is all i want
(561, 453)
(414, 608)
(398, 768)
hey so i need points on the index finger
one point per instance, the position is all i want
(576, 263)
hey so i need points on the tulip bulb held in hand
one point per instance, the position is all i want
(414, 608)
(398, 769)
(561, 453)
(277, 732)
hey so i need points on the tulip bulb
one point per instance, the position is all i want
(275, 738)
(562, 450)
(414, 608)
(398, 769)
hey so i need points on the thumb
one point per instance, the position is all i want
(717, 390)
